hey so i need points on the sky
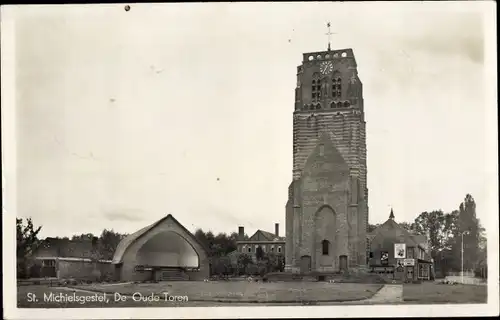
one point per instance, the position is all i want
(123, 117)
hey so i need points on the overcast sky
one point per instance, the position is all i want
(124, 117)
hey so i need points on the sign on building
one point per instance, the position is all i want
(409, 262)
(384, 258)
(400, 250)
(399, 265)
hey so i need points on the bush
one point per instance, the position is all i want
(252, 269)
(221, 266)
(35, 270)
(481, 272)
(21, 269)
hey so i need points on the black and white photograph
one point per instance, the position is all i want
(250, 160)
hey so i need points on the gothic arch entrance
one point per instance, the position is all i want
(343, 263)
(325, 239)
(305, 264)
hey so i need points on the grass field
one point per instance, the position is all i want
(200, 293)
(433, 293)
(248, 291)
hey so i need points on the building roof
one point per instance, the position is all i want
(271, 236)
(130, 239)
(64, 247)
(420, 238)
(265, 236)
(416, 240)
(394, 224)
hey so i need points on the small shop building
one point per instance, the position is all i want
(397, 254)
(62, 258)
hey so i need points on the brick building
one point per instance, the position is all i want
(398, 254)
(327, 210)
(268, 241)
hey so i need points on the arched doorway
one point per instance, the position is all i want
(305, 264)
(343, 263)
(325, 243)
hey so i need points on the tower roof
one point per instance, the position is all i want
(391, 216)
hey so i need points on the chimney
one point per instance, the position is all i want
(241, 233)
(277, 229)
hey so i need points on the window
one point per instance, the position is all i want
(48, 263)
(279, 249)
(326, 247)
(423, 270)
(321, 150)
(272, 248)
(336, 88)
(409, 252)
(316, 88)
(249, 249)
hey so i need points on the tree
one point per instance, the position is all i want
(451, 228)
(225, 243)
(83, 237)
(221, 266)
(259, 253)
(201, 237)
(219, 245)
(27, 244)
(275, 262)
(244, 260)
(108, 241)
(407, 226)
(469, 225)
(440, 229)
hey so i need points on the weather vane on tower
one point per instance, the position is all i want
(329, 33)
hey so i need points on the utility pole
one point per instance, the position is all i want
(462, 259)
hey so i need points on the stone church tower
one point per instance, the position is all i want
(327, 208)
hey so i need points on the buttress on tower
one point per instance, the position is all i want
(327, 207)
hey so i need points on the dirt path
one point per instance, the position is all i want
(390, 293)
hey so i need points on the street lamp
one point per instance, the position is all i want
(462, 273)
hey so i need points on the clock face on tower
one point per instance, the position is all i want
(326, 67)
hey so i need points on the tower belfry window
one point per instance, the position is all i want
(336, 88)
(316, 88)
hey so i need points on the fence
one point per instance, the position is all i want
(459, 274)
